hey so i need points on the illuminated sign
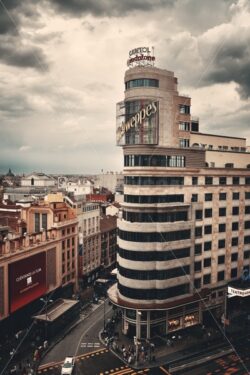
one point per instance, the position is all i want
(239, 292)
(140, 57)
(137, 119)
(27, 280)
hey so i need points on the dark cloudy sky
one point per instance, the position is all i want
(62, 64)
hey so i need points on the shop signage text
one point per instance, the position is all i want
(140, 57)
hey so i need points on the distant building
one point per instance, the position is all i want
(38, 180)
(108, 242)
(113, 181)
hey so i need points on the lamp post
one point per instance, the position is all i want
(46, 300)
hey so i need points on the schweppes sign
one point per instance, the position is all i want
(136, 120)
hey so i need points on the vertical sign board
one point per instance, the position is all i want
(27, 280)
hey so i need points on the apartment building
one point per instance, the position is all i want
(184, 225)
(40, 258)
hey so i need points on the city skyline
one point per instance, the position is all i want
(62, 63)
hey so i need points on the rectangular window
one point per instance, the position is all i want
(235, 211)
(247, 210)
(194, 180)
(221, 244)
(235, 226)
(194, 198)
(198, 214)
(183, 142)
(246, 239)
(184, 109)
(221, 259)
(208, 197)
(37, 222)
(236, 180)
(206, 279)
(208, 212)
(207, 262)
(247, 224)
(198, 249)
(222, 211)
(208, 180)
(247, 254)
(234, 257)
(247, 180)
(208, 229)
(44, 221)
(220, 275)
(222, 180)
(207, 245)
(236, 196)
(184, 126)
(197, 266)
(247, 195)
(235, 241)
(222, 227)
(233, 272)
(197, 283)
(222, 196)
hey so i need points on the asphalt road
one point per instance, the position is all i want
(84, 337)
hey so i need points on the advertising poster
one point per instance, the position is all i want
(27, 280)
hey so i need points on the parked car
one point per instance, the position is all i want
(68, 366)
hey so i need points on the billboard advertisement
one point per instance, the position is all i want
(27, 280)
(137, 122)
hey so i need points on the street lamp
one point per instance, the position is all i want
(46, 300)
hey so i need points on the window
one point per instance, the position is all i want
(222, 227)
(236, 196)
(183, 142)
(207, 245)
(194, 180)
(208, 180)
(222, 211)
(247, 180)
(221, 244)
(220, 275)
(44, 221)
(236, 180)
(155, 217)
(194, 198)
(148, 256)
(63, 244)
(208, 212)
(198, 231)
(154, 236)
(194, 126)
(208, 229)
(234, 241)
(234, 257)
(207, 262)
(235, 211)
(208, 197)
(198, 249)
(247, 254)
(149, 180)
(247, 195)
(185, 126)
(233, 272)
(141, 82)
(151, 199)
(197, 266)
(37, 222)
(221, 259)
(235, 226)
(247, 210)
(184, 109)
(222, 196)
(247, 224)
(207, 279)
(197, 283)
(246, 239)
(222, 180)
(198, 214)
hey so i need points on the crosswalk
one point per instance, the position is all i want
(90, 345)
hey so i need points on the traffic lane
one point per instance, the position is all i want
(86, 331)
(227, 365)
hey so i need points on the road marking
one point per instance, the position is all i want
(164, 370)
(90, 344)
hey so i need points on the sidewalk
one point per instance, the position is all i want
(171, 349)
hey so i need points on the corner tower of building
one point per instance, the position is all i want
(170, 245)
